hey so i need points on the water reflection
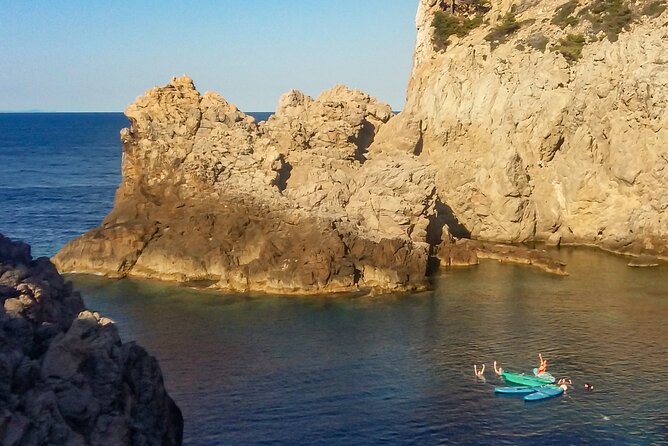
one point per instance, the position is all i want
(398, 369)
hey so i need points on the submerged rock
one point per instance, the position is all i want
(65, 375)
(644, 261)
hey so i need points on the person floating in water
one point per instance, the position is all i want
(564, 383)
(542, 368)
(498, 370)
(589, 387)
(479, 373)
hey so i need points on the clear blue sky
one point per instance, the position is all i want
(99, 55)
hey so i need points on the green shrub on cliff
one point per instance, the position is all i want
(538, 42)
(610, 16)
(563, 17)
(571, 47)
(446, 25)
(654, 9)
(500, 33)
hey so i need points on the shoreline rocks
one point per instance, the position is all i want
(468, 253)
(66, 376)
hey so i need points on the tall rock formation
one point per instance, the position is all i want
(532, 120)
(547, 121)
(65, 376)
(291, 205)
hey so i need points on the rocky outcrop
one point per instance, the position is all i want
(295, 204)
(530, 142)
(65, 375)
(466, 252)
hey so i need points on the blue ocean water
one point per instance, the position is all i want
(356, 370)
(58, 174)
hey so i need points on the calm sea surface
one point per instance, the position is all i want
(350, 370)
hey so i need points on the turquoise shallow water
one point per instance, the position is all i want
(348, 370)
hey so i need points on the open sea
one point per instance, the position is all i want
(358, 370)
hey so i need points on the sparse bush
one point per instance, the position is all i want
(538, 42)
(610, 16)
(571, 47)
(563, 17)
(446, 25)
(654, 9)
(473, 6)
(500, 33)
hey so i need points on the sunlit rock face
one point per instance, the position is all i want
(541, 122)
(528, 145)
(296, 204)
(66, 376)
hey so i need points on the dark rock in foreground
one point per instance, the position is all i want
(65, 375)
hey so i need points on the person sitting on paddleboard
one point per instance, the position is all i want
(543, 365)
(479, 374)
(498, 371)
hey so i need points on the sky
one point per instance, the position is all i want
(100, 55)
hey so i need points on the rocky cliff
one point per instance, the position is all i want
(295, 204)
(65, 376)
(544, 120)
(525, 121)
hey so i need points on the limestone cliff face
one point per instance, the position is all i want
(530, 146)
(294, 204)
(66, 378)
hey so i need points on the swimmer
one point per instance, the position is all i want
(498, 370)
(479, 373)
(589, 387)
(564, 383)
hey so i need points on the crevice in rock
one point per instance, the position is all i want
(129, 262)
(283, 175)
(357, 275)
(442, 217)
(364, 140)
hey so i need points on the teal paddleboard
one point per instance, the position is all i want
(525, 380)
(544, 393)
(544, 375)
(522, 390)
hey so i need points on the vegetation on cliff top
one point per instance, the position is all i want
(462, 16)
(654, 9)
(563, 16)
(446, 24)
(500, 33)
(571, 47)
(609, 16)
